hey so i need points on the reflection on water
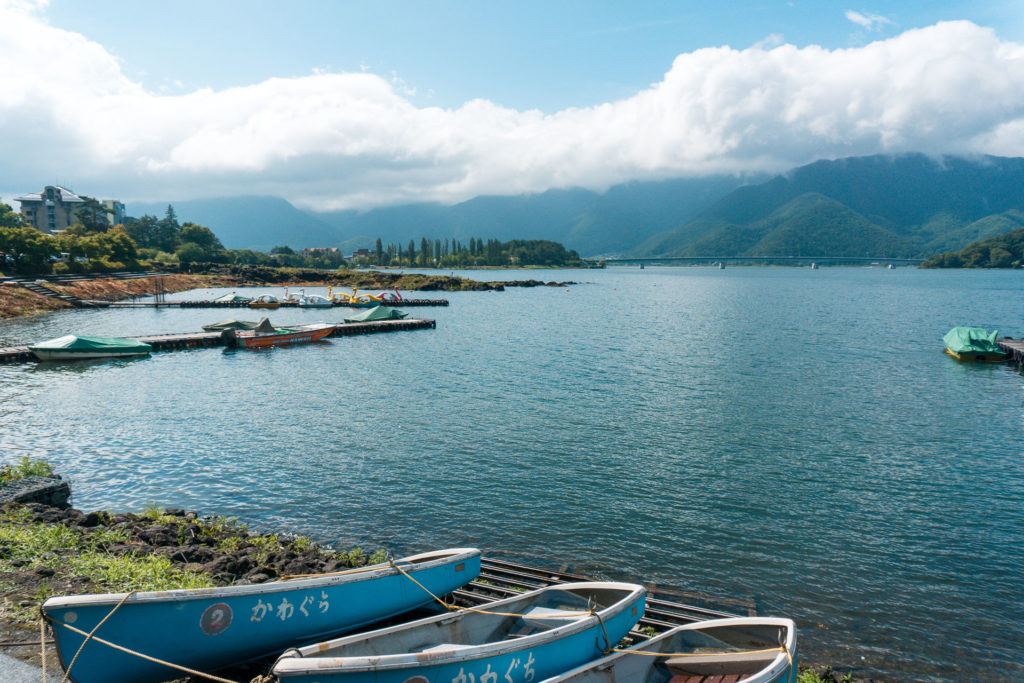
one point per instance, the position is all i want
(790, 435)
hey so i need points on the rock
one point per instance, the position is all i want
(49, 491)
(258, 577)
(159, 536)
(44, 571)
(94, 519)
(174, 512)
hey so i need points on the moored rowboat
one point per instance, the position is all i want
(519, 640)
(209, 628)
(266, 335)
(747, 649)
(73, 347)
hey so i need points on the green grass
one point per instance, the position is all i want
(77, 554)
(824, 676)
(26, 467)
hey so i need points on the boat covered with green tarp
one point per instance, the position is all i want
(377, 313)
(74, 347)
(973, 343)
(231, 324)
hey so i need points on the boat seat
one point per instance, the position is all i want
(540, 619)
(718, 664)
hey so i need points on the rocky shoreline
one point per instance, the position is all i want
(46, 551)
(16, 301)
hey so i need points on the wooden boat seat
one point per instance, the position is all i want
(705, 679)
(539, 619)
(713, 666)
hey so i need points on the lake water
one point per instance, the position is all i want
(792, 436)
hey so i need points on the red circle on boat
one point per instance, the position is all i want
(216, 619)
(416, 679)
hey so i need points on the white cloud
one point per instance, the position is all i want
(331, 140)
(867, 20)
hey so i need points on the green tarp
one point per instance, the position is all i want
(233, 298)
(971, 340)
(377, 313)
(231, 324)
(75, 343)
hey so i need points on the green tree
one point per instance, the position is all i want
(411, 252)
(27, 250)
(190, 252)
(379, 249)
(92, 215)
(9, 218)
(145, 231)
(203, 236)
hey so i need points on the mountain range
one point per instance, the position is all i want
(884, 205)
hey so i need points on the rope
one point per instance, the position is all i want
(357, 570)
(88, 636)
(42, 645)
(650, 653)
(121, 648)
(455, 608)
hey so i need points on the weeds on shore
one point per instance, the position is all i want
(26, 467)
(72, 555)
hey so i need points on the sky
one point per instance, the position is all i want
(337, 105)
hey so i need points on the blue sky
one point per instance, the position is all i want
(336, 105)
(524, 54)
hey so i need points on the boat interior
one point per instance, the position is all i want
(528, 616)
(727, 654)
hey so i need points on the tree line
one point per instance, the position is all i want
(92, 245)
(476, 252)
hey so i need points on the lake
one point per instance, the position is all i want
(791, 436)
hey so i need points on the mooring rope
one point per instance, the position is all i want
(456, 608)
(88, 636)
(42, 646)
(148, 658)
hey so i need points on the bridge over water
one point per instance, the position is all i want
(789, 260)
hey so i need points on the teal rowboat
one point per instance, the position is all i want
(748, 649)
(73, 347)
(524, 639)
(973, 343)
(210, 628)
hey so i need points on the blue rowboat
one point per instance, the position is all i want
(751, 650)
(210, 628)
(519, 640)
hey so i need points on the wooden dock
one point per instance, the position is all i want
(410, 303)
(1014, 348)
(196, 340)
(502, 579)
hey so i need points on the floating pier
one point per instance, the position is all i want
(232, 304)
(1014, 349)
(196, 340)
(502, 579)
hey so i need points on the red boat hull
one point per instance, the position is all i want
(249, 340)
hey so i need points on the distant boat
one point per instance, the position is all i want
(377, 313)
(315, 301)
(721, 265)
(73, 347)
(522, 639)
(748, 649)
(891, 267)
(973, 344)
(233, 298)
(231, 324)
(814, 266)
(266, 335)
(210, 628)
(641, 266)
(266, 301)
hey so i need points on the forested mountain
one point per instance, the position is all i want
(1003, 251)
(592, 223)
(259, 223)
(905, 205)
